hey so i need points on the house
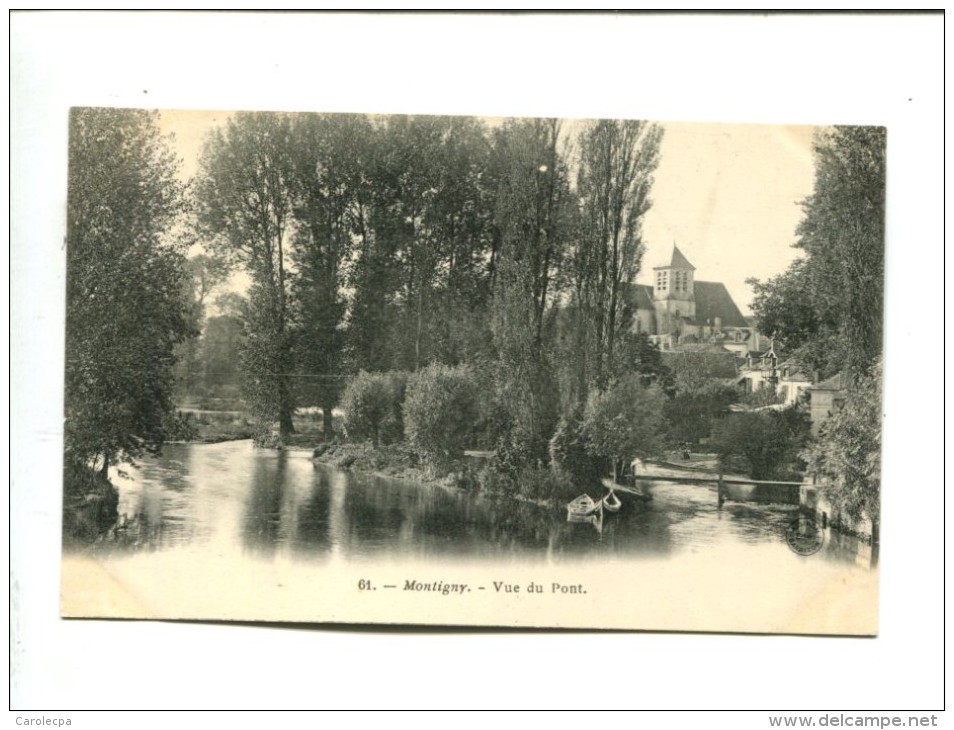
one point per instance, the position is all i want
(678, 310)
(825, 398)
(759, 370)
(788, 379)
(794, 380)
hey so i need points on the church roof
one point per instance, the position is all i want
(639, 296)
(678, 261)
(713, 300)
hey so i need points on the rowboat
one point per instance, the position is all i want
(611, 502)
(582, 506)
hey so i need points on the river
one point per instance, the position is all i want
(230, 531)
(263, 502)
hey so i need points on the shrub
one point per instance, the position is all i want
(491, 481)
(764, 444)
(372, 407)
(570, 454)
(690, 416)
(90, 502)
(626, 420)
(441, 411)
(544, 484)
(760, 398)
(847, 454)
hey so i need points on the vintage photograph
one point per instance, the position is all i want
(467, 371)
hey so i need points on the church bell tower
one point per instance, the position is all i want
(673, 292)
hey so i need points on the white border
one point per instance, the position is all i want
(867, 69)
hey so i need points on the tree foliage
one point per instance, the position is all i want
(441, 411)
(617, 162)
(764, 444)
(700, 371)
(391, 243)
(326, 187)
(424, 243)
(570, 452)
(846, 456)
(829, 305)
(244, 203)
(626, 420)
(125, 273)
(691, 417)
(373, 407)
(534, 203)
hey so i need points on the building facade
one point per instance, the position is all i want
(788, 379)
(825, 398)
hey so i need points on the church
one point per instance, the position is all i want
(678, 310)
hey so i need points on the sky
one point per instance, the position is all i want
(727, 194)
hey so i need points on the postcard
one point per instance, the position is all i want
(468, 371)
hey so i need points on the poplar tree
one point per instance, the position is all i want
(244, 206)
(124, 279)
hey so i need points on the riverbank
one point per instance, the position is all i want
(393, 462)
(474, 474)
(90, 504)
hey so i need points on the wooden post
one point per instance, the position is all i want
(720, 489)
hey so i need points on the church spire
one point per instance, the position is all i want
(678, 260)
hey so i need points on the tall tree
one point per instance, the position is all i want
(124, 309)
(533, 203)
(459, 217)
(325, 181)
(830, 305)
(424, 234)
(617, 162)
(203, 273)
(245, 206)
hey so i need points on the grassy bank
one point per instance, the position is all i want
(475, 475)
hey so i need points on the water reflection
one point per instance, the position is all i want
(231, 497)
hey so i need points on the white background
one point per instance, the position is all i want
(884, 70)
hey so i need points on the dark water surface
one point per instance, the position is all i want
(231, 498)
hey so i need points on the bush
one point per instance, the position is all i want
(544, 484)
(846, 456)
(690, 417)
(441, 411)
(372, 407)
(570, 454)
(761, 398)
(492, 481)
(764, 444)
(90, 502)
(626, 420)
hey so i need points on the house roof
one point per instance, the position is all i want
(713, 300)
(678, 261)
(835, 382)
(797, 376)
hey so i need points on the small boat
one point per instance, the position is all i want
(611, 502)
(582, 506)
